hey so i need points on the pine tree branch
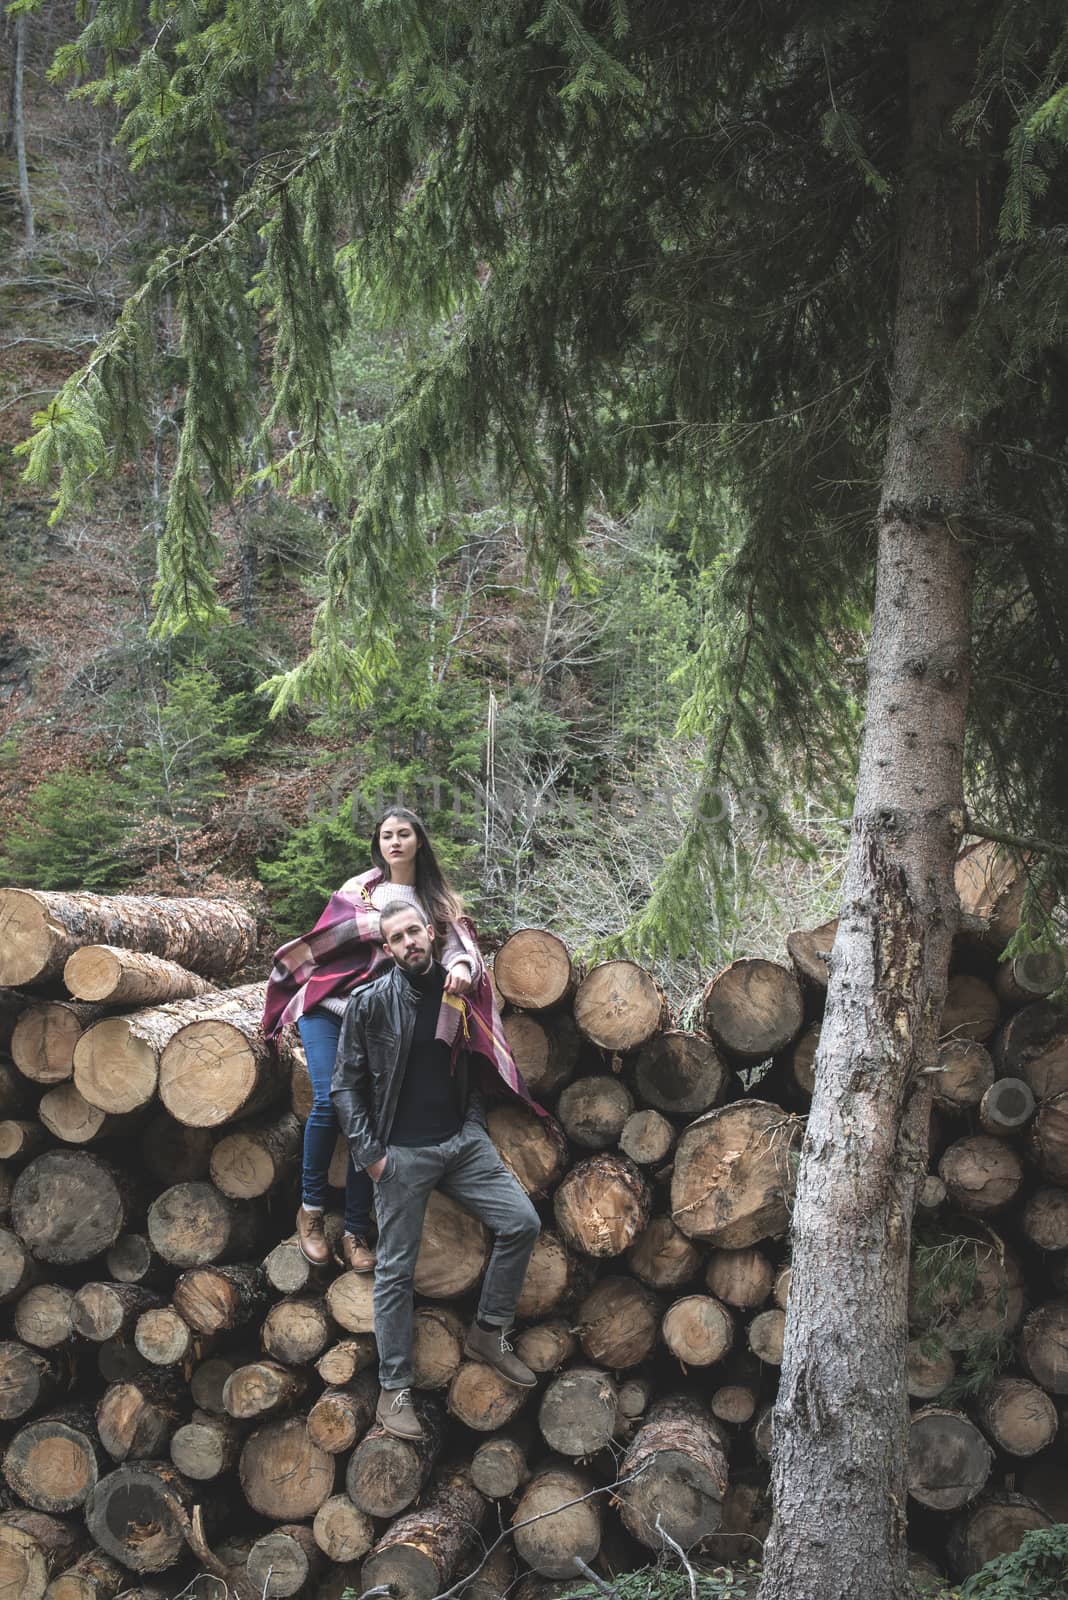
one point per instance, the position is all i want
(1016, 841)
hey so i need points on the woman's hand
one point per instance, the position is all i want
(376, 1169)
(459, 979)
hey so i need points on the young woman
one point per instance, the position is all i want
(310, 985)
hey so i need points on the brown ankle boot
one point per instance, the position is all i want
(493, 1347)
(355, 1253)
(397, 1414)
(311, 1236)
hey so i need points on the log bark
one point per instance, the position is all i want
(662, 1256)
(681, 1074)
(981, 1174)
(532, 970)
(216, 1299)
(262, 1389)
(742, 1278)
(753, 1009)
(340, 1417)
(14, 1093)
(965, 1073)
(206, 1446)
(533, 1148)
(593, 1111)
(619, 1006)
(602, 1205)
(733, 1176)
(12, 1004)
(617, 1323)
(254, 1158)
(28, 1379)
(647, 1138)
(1017, 1416)
(117, 1061)
(43, 1316)
(220, 1067)
(136, 1417)
(115, 977)
(437, 1346)
(283, 1561)
(577, 1416)
(971, 1009)
(296, 1331)
(68, 1206)
(53, 1463)
(38, 931)
(546, 1051)
(342, 1531)
(193, 1225)
(839, 1437)
(384, 1473)
(105, 1310)
(283, 1475)
(419, 1554)
(33, 1548)
(993, 1528)
(1006, 1107)
(682, 1475)
(567, 1524)
(949, 1460)
(546, 1346)
(140, 1515)
(698, 1330)
(1044, 1345)
(42, 1045)
(94, 1576)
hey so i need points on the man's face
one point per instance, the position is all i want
(409, 941)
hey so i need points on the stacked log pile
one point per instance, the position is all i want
(180, 1390)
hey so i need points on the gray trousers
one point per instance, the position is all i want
(468, 1169)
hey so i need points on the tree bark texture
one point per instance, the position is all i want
(841, 1418)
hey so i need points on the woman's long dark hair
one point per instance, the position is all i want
(436, 896)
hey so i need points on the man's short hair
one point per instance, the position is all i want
(396, 907)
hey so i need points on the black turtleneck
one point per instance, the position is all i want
(427, 1112)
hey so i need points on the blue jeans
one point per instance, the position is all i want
(319, 1034)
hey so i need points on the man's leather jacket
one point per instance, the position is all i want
(372, 1052)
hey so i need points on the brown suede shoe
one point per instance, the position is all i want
(491, 1346)
(355, 1254)
(311, 1236)
(397, 1414)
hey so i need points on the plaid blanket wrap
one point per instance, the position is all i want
(344, 951)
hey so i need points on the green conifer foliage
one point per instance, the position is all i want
(72, 837)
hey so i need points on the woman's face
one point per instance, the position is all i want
(397, 842)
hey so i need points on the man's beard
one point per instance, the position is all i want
(418, 964)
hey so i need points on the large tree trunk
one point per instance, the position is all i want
(841, 1417)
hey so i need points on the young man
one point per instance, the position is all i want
(416, 1123)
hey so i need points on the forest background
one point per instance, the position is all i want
(550, 735)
